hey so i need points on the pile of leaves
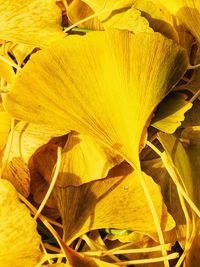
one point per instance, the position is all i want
(99, 133)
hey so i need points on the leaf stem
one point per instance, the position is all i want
(53, 181)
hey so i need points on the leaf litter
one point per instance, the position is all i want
(99, 133)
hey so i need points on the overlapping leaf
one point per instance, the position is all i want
(128, 20)
(31, 22)
(78, 10)
(6, 72)
(19, 240)
(23, 142)
(160, 19)
(85, 160)
(189, 13)
(187, 162)
(130, 75)
(105, 8)
(115, 202)
(4, 128)
(169, 119)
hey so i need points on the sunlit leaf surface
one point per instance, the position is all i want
(130, 75)
(31, 22)
(99, 133)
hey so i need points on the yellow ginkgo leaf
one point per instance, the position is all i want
(85, 160)
(22, 143)
(192, 117)
(27, 138)
(130, 19)
(103, 84)
(21, 51)
(19, 240)
(41, 166)
(160, 19)
(157, 170)
(78, 10)
(189, 13)
(105, 7)
(5, 123)
(6, 72)
(32, 22)
(169, 119)
(115, 202)
(186, 162)
(124, 19)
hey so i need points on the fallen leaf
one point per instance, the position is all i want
(6, 72)
(130, 19)
(41, 165)
(19, 240)
(22, 143)
(5, 120)
(32, 22)
(105, 83)
(169, 119)
(184, 163)
(21, 52)
(105, 8)
(188, 11)
(115, 202)
(85, 160)
(159, 18)
(162, 20)
(78, 10)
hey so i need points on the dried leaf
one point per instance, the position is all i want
(105, 83)
(19, 240)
